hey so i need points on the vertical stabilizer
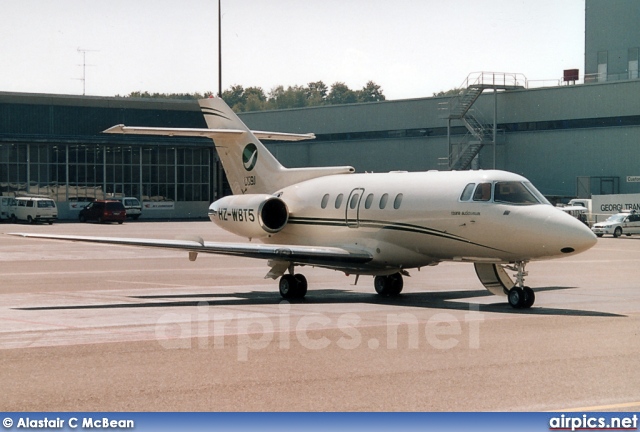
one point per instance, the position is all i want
(249, 166)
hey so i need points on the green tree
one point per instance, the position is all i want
(452, 92)
(316, 93)
(371, 93)
(341, 94)
(254, 99)
(292, 97)
(179, 96)
(234, 97)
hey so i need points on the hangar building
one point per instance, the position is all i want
(569, 140)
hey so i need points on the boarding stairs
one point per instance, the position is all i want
(460, 109)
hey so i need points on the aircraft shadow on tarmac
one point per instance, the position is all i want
(448, 300)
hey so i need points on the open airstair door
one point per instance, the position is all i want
(494, 278)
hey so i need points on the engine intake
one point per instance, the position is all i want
(253, 216)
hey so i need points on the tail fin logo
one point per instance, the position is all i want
(249, 156)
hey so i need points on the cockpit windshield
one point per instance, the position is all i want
(511, 192)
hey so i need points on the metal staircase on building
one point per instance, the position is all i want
(459, 108)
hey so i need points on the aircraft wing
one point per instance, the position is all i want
(312, 255)
(203, 132)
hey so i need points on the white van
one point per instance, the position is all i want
(132, 206)
(33, 210)
(5, 208)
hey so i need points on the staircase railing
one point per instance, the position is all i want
(459, 108)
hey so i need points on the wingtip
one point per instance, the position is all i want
(115, 129)
(18, 234)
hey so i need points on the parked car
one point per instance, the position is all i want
(132, 206)
(103, 211)
(33, 210)
(5, 208)
(618, 224)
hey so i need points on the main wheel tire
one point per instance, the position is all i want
(293, 286)
(396, 283)
(287, 286)
(379, 283)
(82, 218)
(30, 219)
(529, 297)
(516, 297)
(388, 286)
(617, 232)
(302, 286)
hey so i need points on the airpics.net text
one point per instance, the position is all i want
(206, 328)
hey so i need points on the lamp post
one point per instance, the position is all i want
(219, 49)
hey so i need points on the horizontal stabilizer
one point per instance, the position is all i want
(203, 132)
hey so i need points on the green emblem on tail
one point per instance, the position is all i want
(249, 156)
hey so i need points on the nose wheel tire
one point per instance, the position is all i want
(521, 298)
(389, 286)
(293, 286)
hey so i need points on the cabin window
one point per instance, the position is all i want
(483, 192)
(339, 200)
(383, 201)
(397, 201)
(354, 201)
(325, 201)
(466, 193)
(513, 193)
(368, 201)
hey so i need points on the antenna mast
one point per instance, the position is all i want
(84, 68)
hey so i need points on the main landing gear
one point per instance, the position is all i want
(388, 286)
(294, 285)
(520, 296)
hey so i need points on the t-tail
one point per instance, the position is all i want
(250, 167)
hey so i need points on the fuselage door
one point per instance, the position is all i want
(353, 208)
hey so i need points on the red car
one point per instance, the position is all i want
(104, 211)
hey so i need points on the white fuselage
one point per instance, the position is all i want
(422, 220)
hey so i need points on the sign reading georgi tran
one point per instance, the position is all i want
(633, 179)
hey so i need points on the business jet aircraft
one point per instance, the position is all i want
(370, 224)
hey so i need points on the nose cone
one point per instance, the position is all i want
(567, 235)
(544, 232)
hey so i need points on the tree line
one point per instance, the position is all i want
(317, 93)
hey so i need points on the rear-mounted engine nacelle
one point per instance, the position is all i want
(253, 216)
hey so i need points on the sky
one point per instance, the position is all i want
(410, 48)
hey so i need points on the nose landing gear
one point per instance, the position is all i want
(520, 296)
